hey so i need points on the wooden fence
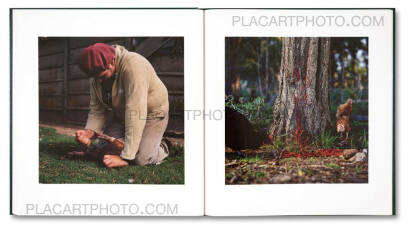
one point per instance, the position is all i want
(64, 88)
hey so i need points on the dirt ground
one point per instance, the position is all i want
(250, 167)
(176, 138)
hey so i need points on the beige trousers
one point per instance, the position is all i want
(152, 150)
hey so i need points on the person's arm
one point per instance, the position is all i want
(96, 116)
(135, 82)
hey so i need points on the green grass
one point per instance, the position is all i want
(313, 160)
(260, 174)
(56, 168)
(228, 176)
(333, 165)
(251, 160)
(289, 159)
(325, 140)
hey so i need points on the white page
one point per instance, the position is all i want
(372, 198)
(29, 196)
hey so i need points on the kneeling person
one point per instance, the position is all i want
(126, 82)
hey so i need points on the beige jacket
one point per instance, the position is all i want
(137, 94)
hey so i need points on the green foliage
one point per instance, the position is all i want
(360, 108)
(350, 60)
(229, 176)
(364, 140)
(358, 169)
(340, 96)
(276, 145)
(325, 140)
(55, 168)
(333, 165)
(251, 160)
(261, 115)
(313, 160)
(257, 60)
(279, 144)
(360, 140)
(290, 146)
(289, 159)
(260, 174)
(255, 110)
(293, 146)
(358, 135)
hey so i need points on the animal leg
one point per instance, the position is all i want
(347, 136)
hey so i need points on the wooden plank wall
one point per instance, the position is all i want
(64, 88)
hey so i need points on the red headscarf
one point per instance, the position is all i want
(95, 58)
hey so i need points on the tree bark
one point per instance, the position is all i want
(258, 65)
(267, 80)
(302, 105)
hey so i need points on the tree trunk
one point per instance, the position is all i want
(258, 65)
(342, 73)
(234, 57)
(302, 105)
(267, 80)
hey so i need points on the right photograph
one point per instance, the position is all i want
(296, 110)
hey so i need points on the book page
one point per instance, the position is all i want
(52, 174)
(300, 106)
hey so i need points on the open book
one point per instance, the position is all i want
(271, 112)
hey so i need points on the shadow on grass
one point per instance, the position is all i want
(56, 168)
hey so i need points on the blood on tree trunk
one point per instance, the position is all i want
(302, 105)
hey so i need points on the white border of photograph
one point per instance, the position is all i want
(372, 198)
(30, 24)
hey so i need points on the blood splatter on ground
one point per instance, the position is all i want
(317, 153)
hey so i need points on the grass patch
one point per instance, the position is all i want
(325, 140)
(260, 174)
(55, 168)
(268, 148)
(229, 176)
(251, 160)
(313, 160)
(289, 159)
(276, 145)
(333, 165)
(308, 172)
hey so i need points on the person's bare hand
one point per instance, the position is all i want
(84, 136)
(112, 161)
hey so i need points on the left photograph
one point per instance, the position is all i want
(111, 110)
